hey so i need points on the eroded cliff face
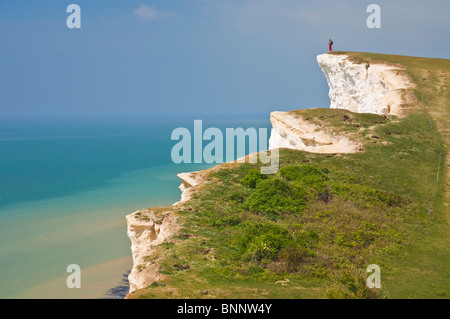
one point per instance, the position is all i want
(188, 183)
(356, 87)
(291, 130)
(364, 88)
(146, 230)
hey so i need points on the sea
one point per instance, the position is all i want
(66, 186)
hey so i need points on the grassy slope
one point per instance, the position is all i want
(334, 217)
(425, 271)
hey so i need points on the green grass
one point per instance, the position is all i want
(322, 219)
(342, 120)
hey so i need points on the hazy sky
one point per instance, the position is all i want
(195, 55)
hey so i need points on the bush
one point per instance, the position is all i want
(352, 285)
(252, 178)
(292, 258)
(306, 238)
(307, 174)
(236, 197)
(274, 196)
(263, 241)
(255, 270)
(225, 221)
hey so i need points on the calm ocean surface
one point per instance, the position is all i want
(65, 188)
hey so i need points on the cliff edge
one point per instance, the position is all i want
(354, 86)
(362, 87)
(147, 228)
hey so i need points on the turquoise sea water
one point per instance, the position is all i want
(65, 188)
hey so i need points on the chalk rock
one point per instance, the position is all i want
(364, 88)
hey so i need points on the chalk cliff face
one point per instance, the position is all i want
(363, 88)
(188, 183)
(293, 131)
(359, 88)
(146, 231)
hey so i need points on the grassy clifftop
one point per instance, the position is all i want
(311, 230)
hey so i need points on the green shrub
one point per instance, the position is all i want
(306, 238)
(352, 285)
(226, 221)
(293, 257)
(255, 270)
(263, 241)
(274, 196)
(236, 197)
(307, 174)
(252, 178)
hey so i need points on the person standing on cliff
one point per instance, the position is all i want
(330, 44)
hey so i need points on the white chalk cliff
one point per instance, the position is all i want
(363, 88)
(293, 131)
(356, 87)
(146, 231)
(188, 182)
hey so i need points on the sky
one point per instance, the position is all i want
(181, 56)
